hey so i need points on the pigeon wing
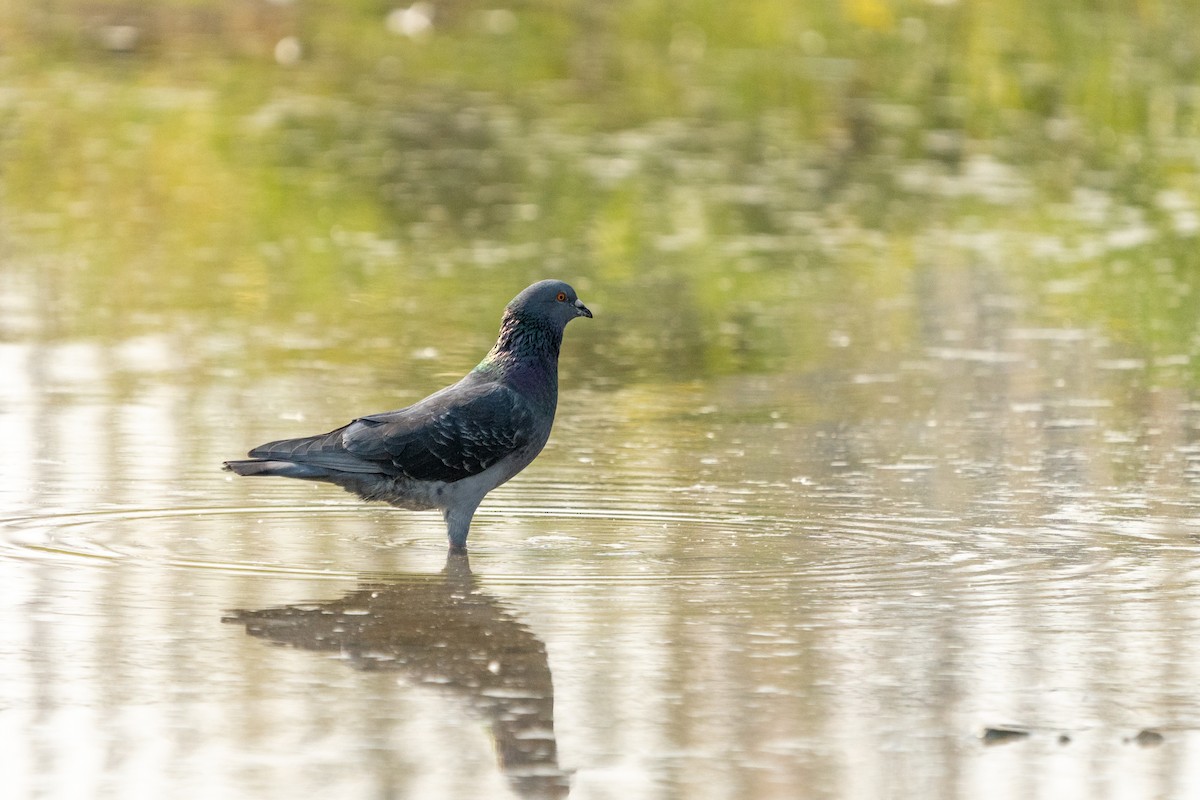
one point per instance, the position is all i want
(451, 435)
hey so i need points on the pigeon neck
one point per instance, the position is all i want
(526, 352)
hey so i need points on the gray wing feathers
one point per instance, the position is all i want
(446, 437)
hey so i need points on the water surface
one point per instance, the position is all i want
(723, 589)
(874, 476)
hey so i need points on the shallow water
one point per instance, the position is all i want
(951, 570)
(874, 476)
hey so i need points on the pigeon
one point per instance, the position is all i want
(449, 450)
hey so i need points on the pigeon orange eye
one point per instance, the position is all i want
(562, 297)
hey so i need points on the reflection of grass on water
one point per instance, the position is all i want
(724, 157)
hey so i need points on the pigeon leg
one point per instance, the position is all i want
(458, 524)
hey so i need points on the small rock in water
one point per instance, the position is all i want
(1147, 737)
(1003, 734)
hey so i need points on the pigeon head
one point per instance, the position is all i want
(533, 323)
(550, 303)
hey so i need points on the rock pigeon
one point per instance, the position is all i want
(455, 446)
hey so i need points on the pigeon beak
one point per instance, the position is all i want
(581, 310)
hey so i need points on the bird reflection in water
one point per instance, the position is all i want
(441, 630)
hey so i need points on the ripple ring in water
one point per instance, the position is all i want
(581, 544)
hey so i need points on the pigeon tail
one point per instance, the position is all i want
(285, 469)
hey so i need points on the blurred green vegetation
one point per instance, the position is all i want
(705, 172)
